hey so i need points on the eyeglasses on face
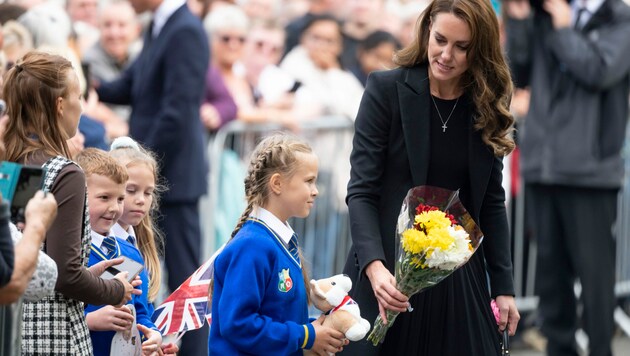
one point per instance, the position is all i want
(316, 38)
(263, 45)
(229, 38)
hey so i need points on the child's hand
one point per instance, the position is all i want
(110, 318)
(170, 349)
(136, 283)
(327, 340)
(130, 288)
(152, 346)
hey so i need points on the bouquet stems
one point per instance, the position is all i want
(408, 284)
(377, 335)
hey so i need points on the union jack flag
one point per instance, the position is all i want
(187, 307)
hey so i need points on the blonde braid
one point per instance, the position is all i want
(248, 210)
(255, 193)
(274, 154)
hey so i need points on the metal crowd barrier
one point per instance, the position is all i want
(10, 328)
(324, 234)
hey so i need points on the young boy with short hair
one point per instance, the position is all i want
(106, 182)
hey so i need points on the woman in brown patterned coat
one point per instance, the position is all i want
(44, 105)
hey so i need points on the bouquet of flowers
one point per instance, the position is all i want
(435, 235)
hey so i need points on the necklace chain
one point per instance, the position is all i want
(444, 127)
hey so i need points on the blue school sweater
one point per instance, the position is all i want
(259, 301)
(102, 340)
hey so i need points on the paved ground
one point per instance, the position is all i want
(621, 347)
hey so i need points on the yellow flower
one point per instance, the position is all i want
(416, 262)
(440, 239)
(413, 241)
(434, 219)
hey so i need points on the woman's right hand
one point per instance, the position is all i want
(384, 287)
(328, 341)
(110, 318)
(517, 9)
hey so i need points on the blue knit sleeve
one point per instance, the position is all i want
(140, 302)
(309, 336)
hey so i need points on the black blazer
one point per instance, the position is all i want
(391, 155)
(165, 86)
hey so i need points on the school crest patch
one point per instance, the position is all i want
(285, 283)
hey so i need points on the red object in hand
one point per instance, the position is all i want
(495, 311)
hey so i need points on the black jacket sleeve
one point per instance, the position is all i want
(494, 224)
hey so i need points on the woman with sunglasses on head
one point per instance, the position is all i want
(242, 53)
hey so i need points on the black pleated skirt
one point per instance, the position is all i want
(453, 318)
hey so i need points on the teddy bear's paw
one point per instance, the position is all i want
(366, 324)
(357, 331)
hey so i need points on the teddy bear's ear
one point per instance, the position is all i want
(317, 290)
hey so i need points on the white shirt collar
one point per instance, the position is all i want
(97, 240)
(162, 14)
(282, 229)
(118, 231)
(591, 6)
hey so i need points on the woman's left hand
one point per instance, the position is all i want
(509, 313)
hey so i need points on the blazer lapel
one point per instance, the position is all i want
(603, 15)
(413, 96)
(480, 167)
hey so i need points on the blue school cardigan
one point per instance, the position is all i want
(259, 301)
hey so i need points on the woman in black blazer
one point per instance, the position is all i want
(442, 118)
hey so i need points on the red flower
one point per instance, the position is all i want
(421, 208)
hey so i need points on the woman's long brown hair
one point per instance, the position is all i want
(31, 90)
(487, 79)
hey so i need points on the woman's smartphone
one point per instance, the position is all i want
(128, 265)
(18, 184)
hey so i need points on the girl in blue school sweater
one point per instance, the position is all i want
(137, 225)
(260, 290)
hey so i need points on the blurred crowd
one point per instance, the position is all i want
(279, 61)
(270, 61)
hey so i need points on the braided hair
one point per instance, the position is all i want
(274, 154)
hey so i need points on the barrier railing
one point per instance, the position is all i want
(10, 326)
(323, 235)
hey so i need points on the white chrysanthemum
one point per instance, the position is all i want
(456, 254)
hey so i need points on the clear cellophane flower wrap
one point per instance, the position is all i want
(435, 236)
